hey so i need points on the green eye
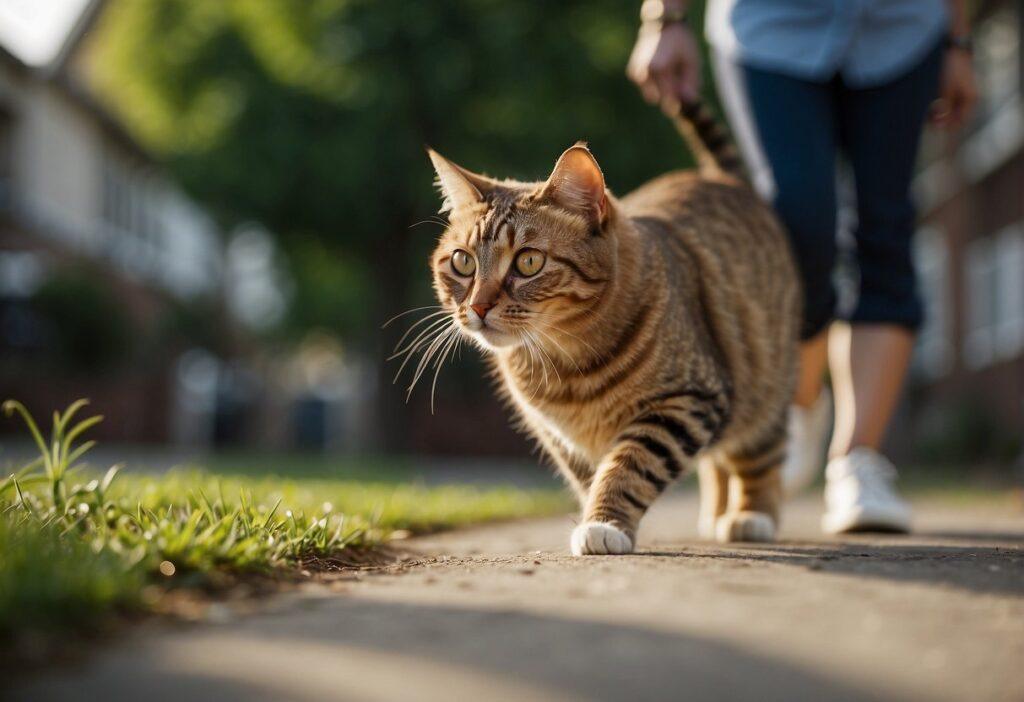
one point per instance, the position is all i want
(529, 262)
(463, 263)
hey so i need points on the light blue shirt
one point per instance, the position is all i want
(867, 42)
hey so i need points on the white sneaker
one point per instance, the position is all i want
(860, 495)
(808, 437)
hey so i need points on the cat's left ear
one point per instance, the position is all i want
(577, 184)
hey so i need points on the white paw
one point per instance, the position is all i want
(706, 525)
(595, 538)
(745, 526)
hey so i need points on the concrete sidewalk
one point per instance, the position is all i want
(504, 613)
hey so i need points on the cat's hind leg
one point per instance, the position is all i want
(755, 491)
(714, 495)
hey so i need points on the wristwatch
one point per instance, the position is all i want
(962, 42)
(656, 12)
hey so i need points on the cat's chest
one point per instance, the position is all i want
(582, 429)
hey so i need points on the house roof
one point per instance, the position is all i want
(50, 59)
(38, 32)
(11, 60)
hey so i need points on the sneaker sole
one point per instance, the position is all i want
(865, 522)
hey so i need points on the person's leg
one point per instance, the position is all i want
(787, 132)
(868, 363)
(812, 365)
(880, 131)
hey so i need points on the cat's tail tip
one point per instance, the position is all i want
(708, 139)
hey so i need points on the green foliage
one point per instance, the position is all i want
(48, 581)
(311, 115)
(964, 432)
(74, 543)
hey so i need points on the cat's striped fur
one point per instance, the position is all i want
(658, 336)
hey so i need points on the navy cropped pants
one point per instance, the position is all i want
(802, 128)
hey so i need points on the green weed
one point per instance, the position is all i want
(75, 543)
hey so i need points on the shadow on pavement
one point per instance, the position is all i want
(356, 649)
(994, 536)
(974, 567)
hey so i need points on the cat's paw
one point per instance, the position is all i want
(745, 526)
(706, 526)
(596, 539)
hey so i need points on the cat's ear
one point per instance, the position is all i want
(459, 187)
(577, 184)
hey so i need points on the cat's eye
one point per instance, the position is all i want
(463, 263)
(529, 262)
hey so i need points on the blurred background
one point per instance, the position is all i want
(209, 209)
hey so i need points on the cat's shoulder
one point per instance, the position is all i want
(679, 186)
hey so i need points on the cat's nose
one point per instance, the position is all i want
(481, 309)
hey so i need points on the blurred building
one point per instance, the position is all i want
(99, 251)
(967, 398)
(116, 286)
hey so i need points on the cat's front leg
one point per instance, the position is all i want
(650, 454)
(629, 479)
(576, 471)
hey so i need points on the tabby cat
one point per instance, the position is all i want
(635, 337)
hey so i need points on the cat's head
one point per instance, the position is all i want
(520, 262)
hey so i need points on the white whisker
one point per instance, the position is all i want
(414, 309)
(433, 326)
(424, 341)
(454, 339)
(554, 368)
(428, 354)
(560, 348)
(430, 220)
(545, 316)
(530, 361)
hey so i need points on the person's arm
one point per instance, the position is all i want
(665, 62)
(959, 23)
(958, 92)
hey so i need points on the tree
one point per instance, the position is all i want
(310, 116)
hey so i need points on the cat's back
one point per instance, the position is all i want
(718, 208)
(717, 221)
(715, 240)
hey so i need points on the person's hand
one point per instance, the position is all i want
(665, 63)
(957, 91)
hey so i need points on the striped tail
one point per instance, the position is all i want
(708, 141)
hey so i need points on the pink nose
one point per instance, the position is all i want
(482, 308)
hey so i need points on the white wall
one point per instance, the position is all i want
(65, 167)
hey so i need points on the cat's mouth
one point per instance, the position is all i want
(498, 338)
(491, 334)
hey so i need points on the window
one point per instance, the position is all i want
(998, 59)
(1009, 251)
(995, 298)
(114, 192)
(6, 156)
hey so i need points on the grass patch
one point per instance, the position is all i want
(76, 544)
(376, 469)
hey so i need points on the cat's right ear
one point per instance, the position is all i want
(458, 187)
(578, 184)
